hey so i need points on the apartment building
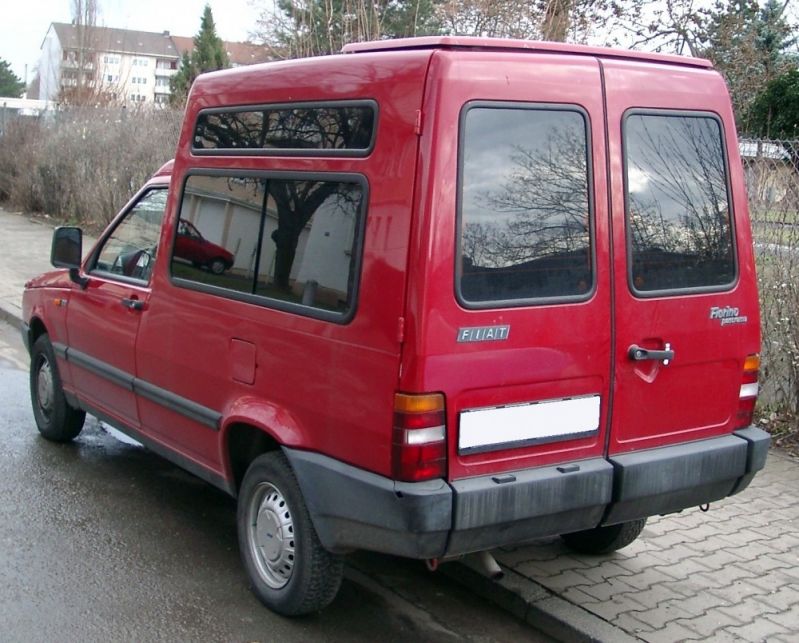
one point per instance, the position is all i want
(121, 65)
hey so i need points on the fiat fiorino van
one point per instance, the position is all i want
(458, 294)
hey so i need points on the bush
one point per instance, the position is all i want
(778, 277)
(82, 165)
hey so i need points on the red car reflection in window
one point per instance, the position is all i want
(191, 246)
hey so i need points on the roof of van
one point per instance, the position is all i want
(468, 42)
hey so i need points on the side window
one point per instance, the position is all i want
(679, 229)
(287, 243)
(130, 249)
(525, 222)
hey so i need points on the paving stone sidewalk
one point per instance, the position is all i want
(730, 574)
(726, 575)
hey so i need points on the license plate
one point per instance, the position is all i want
(523, 424)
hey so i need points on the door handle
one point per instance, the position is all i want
(638, 354)
(133, 304)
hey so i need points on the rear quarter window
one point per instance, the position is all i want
(678, 206)
(525, 232)
(291, 242)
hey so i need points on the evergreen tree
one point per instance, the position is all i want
(749, 44)
(10, 85)
(208, 54)
(775, 112)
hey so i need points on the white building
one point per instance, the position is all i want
(121, 65)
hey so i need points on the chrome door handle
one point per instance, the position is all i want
(133, 304)
(638, 354)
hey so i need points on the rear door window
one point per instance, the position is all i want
(679, 225)
(524, 205)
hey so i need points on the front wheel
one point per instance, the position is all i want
(603, 540)
(55, 418)
(290, 571)
(217, 266)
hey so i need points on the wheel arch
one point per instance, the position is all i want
(242, 442)
(253, 426)
(36, 329)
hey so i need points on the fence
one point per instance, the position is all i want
(772, 175)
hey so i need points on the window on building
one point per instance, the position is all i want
(525, 207)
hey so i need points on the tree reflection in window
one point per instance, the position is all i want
(330, 127)
(289, 240)
(678, 216)
(525, 205)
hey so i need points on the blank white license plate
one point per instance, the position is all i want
(520, 424)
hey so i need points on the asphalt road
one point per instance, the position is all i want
(104, 541)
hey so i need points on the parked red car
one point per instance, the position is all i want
(481, 292)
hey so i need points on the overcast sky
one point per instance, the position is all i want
(25, 24)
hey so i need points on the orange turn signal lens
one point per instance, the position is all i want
(427, 403)
(752, 364)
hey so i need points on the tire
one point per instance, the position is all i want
(56, 419)
(289, 570)
(603, 540)
(217, 266)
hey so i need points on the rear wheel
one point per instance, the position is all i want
(603, 540)
(55, 418)
(290, 571)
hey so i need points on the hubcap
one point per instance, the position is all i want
(271, 535)
(44, 387)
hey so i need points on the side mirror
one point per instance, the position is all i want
(67, 250)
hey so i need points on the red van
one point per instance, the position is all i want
(476, 292)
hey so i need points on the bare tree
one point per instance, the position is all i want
(300, 28)
(85, 85)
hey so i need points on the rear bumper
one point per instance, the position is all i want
(355, 509)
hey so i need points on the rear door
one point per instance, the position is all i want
(519, 341)
(685, 302)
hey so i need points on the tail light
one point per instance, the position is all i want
(419, 444)
(749, 389)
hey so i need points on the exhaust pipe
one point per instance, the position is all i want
(487, 564)
(481, 561)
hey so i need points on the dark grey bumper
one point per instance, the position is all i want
(355, 509)
(668, 479)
